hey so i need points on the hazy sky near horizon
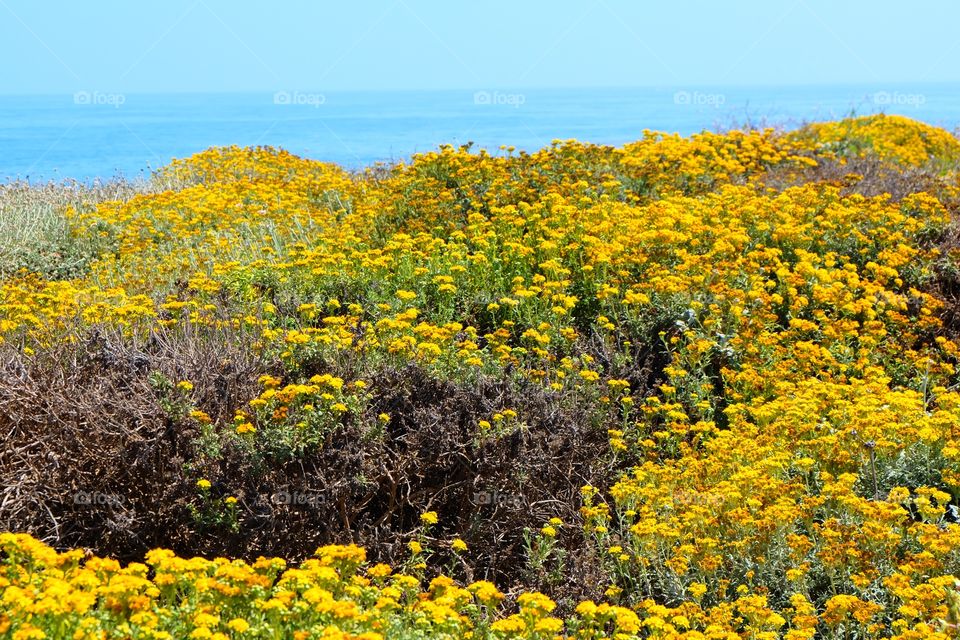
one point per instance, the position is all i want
(221, 45)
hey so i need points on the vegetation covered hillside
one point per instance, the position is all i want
(695, 388)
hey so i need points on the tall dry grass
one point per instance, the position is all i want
(35, 231)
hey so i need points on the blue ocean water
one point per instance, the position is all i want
(98, 134)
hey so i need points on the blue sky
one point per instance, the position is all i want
(221, 45)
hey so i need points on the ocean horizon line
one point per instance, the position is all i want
(492, 86)
(100, 134)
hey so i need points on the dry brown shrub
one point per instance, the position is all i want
(90, 457)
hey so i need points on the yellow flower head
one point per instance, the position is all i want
(238, 625)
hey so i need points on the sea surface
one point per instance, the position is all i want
(97, 134)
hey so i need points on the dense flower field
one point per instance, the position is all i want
(790, 468)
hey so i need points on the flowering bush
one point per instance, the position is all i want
(772, 374)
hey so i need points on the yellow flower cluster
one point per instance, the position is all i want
(336, 594)
(890, 137)
(794, 472)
